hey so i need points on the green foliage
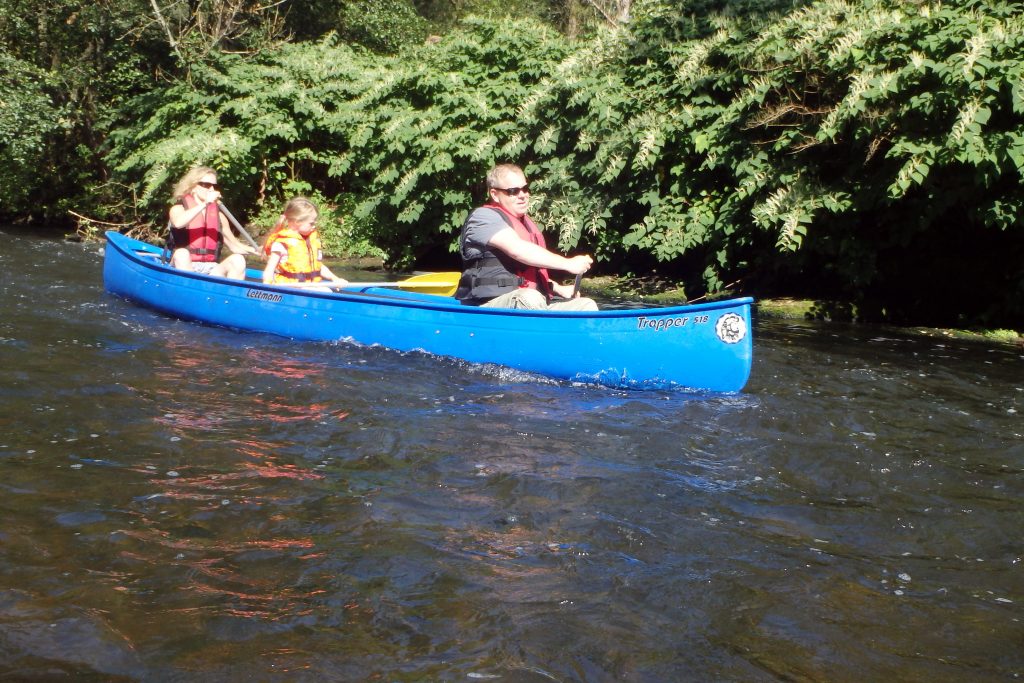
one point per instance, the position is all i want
(425, 134)
(28, 118)
(310, 20)
(834, 142)
(817, 142)
(256, 121)
(381, 25)
(411, 135)
(345, 232)
(88, 55)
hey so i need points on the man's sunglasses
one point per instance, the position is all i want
(514, 191)
(208, 186)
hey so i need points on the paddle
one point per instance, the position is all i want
(576, 286)
(443, 284)
(238, 226)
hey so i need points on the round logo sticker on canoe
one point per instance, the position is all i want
(731, 328)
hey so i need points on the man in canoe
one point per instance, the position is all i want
(198, 229)
(504, 255)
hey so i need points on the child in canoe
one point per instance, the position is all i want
(293, 249)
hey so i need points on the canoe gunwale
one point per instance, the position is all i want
(443, 303)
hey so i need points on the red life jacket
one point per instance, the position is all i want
(533, 277)
(202, 234)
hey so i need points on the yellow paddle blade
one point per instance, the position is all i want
(444, 284)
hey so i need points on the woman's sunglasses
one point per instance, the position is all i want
(208, 186)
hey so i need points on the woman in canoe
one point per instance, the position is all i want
(293, 249)
(198, 229)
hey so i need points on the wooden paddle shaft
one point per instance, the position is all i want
(237, 225)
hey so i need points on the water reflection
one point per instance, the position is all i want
(190, 502)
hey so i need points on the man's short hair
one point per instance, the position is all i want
(495, 174)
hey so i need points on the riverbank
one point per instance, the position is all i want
(657, 292)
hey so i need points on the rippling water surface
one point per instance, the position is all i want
(191, 503)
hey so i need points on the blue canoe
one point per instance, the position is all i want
(701, 346)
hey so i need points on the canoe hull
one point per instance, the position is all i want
(702, 346)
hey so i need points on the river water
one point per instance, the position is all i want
(186, 503)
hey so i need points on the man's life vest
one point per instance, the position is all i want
(495, 273)
(303, 262)
(201, 236)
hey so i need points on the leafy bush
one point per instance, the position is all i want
(410, 135)
(840, 148)
(28, 117)
(825, 146)
(422, 137)
(860, 138)
(381, 25)
(259, 122)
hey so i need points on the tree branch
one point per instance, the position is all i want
(167, 28)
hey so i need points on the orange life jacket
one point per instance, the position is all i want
(303, 261)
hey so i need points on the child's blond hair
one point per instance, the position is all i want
(297, 210)
(300, 210)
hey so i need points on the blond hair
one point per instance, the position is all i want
(189, 181)
(495, 175)
(297, 210)
(300, 210)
